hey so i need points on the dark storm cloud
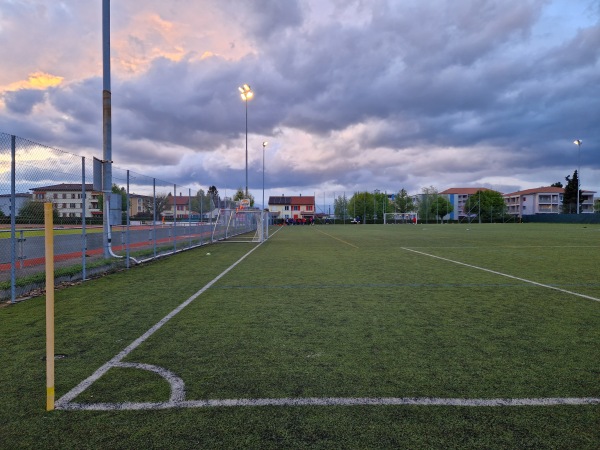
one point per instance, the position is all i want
(442, 90)
(23, 100)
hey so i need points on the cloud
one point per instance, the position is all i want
(351, 94)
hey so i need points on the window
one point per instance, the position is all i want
(64, 196)
(286, 208)
(295, 208)
(39, 196)
(54, 195)
(72, 205)
(72, 195)
(309, 207)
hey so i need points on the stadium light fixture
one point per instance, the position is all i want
(577, 142)
(246, 94)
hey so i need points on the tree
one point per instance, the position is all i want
(487, 205)
(557, 184)
(115, 190)
(570, 196)
(214, 196)
(201, 202)
(361, 205)
(403, 202)
(426, 199)
(440, 206)
(162, 203)
(340, 207)
(33, 212)
(240, 195)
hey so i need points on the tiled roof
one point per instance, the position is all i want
(64, 187)
(540, 190)
(180, 200)
(464, 191)
(300, 200)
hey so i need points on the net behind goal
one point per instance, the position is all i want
(240, 225)
(411, 217)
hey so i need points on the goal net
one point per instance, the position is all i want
(411, 218)
(240, 225)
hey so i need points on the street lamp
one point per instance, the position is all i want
(246, 94)
(263, 201)
(577, 142)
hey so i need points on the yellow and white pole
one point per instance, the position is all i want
(49, 253)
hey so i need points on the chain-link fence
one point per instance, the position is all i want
(149, 218)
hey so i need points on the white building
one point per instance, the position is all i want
(544, 200)
(67, 199)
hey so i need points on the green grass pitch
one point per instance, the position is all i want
(331, 315)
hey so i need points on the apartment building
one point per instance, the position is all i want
(543, 200)
(68, 199)
(458, 198)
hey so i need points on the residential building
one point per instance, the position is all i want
(68, 199)
(543, 200)
(20, 200)
(292, 207)
(179, 207)
(140, 204)
(458, 198)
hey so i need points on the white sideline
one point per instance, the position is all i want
(504, 275)
(336, 401)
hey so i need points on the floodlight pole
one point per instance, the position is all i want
(246, 94)
(263, 174)
(106, 127)
(578, 143)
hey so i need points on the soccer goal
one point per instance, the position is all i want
(241, 225)
(411, 218)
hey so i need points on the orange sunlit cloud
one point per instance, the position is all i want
(36, 80)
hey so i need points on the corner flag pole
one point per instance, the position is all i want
(49, 254)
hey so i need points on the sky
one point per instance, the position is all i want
(351, 95)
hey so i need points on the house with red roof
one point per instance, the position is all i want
(292, 207)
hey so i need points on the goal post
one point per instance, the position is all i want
(400, 218)
(241, 225)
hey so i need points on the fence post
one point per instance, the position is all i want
(83, 235)
(190, 215)
(174, 217)
(154, 214)
(13, 222)
(127, 222)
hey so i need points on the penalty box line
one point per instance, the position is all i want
(114, 362)
(589, 297)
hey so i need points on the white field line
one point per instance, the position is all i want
(504, 275)
(337, 401)
(116, 361)
(177, 398)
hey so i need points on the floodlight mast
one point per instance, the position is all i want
(106, 128)
(577, 142)
(246, 94)
(265, 143)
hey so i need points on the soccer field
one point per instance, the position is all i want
(359, 336)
